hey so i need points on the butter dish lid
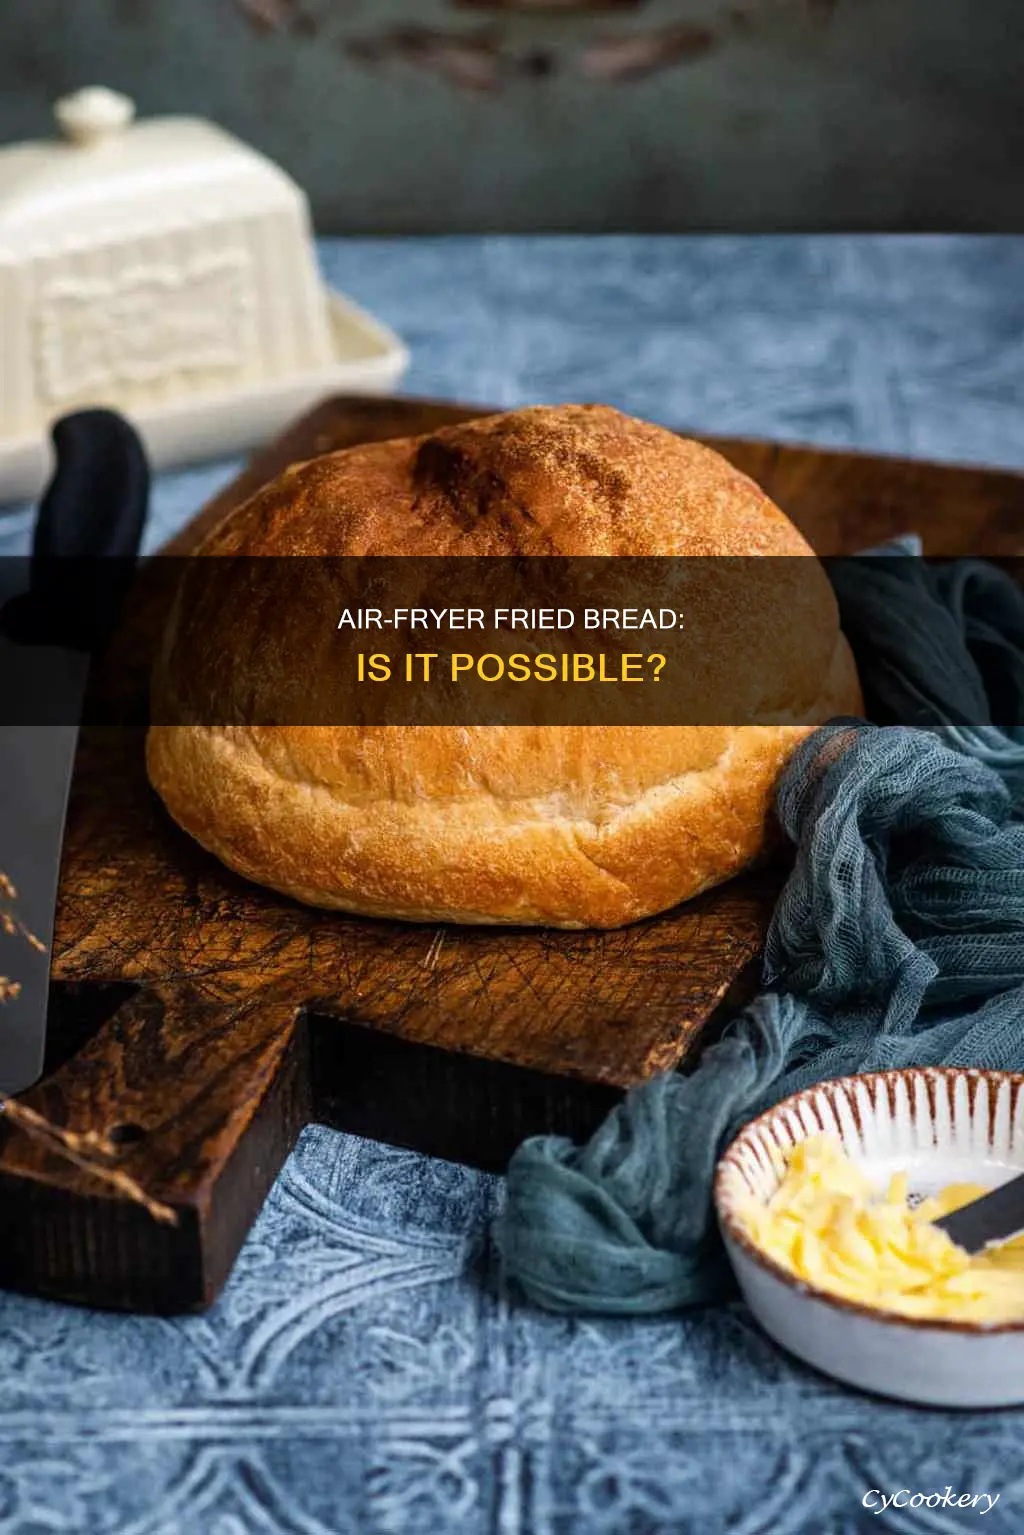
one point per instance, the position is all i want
(109, 167)
(166, 269)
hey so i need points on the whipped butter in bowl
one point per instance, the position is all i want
(826, 1205)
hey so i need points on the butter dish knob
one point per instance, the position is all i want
(91, 115)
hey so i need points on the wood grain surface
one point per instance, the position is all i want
(198, 1022)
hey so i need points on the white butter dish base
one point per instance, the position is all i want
(367, 358)
(940, 1125)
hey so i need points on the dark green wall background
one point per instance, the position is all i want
(415, 115)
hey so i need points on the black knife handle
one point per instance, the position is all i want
(87, 534)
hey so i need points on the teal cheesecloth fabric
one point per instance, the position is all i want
(898, 940)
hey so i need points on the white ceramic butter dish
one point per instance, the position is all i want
(166, 269)
(941, 1126)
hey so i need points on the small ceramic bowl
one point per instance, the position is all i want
(939, 1125)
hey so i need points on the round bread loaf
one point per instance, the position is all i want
(567, 826)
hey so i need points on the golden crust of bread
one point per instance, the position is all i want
(569, 826)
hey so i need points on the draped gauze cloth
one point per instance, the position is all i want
(898, 940)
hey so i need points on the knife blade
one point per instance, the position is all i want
(993, 1217)
(86, 539)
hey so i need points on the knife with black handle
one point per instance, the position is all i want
(87, 537)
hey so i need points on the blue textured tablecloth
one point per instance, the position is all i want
(364, 1370)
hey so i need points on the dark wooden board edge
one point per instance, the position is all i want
(179, 1105)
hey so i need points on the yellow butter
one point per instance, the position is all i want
(829, 1226)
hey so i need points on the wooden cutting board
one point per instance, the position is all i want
(198, 1022)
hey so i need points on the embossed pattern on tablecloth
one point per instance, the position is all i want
(364, 1370)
